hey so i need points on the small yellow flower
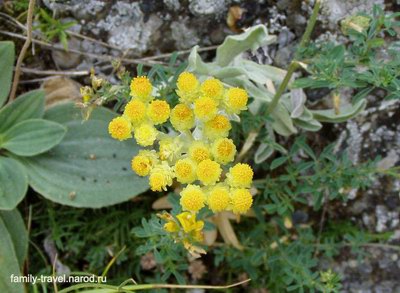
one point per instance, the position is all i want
(187, 85)
(208, 172)
(86, 93)
(218, 127)
(141, 88)
(199, 151)
(223, 150)
(160, 177)
(192, 198)
(169, 148)
(240, 175)
(205, 108)
(145, 134)
(158, 111)
(212, 88)
(135, 111)
(143, 162)
(171, 227)
(182, 117)
(189, 223)
(187, 82)
(241, 201)
(236, 100)
(185, 171)
(218, 199)
(120, 128)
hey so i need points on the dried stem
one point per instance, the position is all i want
(23, 50)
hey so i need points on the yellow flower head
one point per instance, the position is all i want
(212, 88)
(120, 128)
(192, 198)
(135, 111)
(185, 171)
(143, 162)
(169, 148)
(218, 199)
(189, 223)
(160, 177)
(236, 100)
(141, 88)
(199, 151)
(205, 108)
(187, 85)
(208, 172)
(158, 111)
(240, 175)
(182, 117)
(145, 134)
(171, 227)
(241, 201)
(223, 150)
(218, 127)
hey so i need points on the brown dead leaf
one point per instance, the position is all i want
(61, 89)
(226, 230)
(161, 204)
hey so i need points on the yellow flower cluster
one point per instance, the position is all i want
(197, 151)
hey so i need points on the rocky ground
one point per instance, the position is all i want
(135, 29)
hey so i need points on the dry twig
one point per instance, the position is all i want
(23, 50)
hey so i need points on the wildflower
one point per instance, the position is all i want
(135, 111)
(199, 151)
(143, 162)
(205, 108)
(171, 227)
(223, 150)
(182, 117)
(208, 172)
(187, 85)
(218, 127)
(185, 170)
(241, 201)
(158, 111)
(236, 100)
(86, 93)
(141, 88)
(169, 148)
(192, 198)
(160, 177)
(145, 134)
(240, 175)
(218, 199)
(212, 88)
(120, 128)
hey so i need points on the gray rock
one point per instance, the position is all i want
(173, 5)
(184, 36)
(208, 7)
(126, 27)
(79, 9)
(335, 10)
(66, 59)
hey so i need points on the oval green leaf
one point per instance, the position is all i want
(26, 106)
(19, 236)
(32, 137)
(13, 183)
(346, 112)
(88, 168)
(7, 56)
(9, 265)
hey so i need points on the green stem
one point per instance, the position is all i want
(294, 64)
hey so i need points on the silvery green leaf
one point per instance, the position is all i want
(261, 72)
(196, 64)
(346, 112)
(310, 125)
(252, 38)
(297, 99)
(228, 72)
(282, 123)
(263, 152)
(234, 117)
